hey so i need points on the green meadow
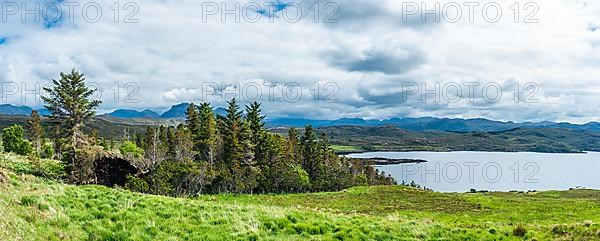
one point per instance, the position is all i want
(35, 205)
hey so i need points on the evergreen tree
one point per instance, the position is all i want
(69, 103)
(36, 132)
(310, 152)
(171, 142)
(231, 129)
(255, 121)
(293, 143)
(207, 133)
(183, 145)
(192, 122)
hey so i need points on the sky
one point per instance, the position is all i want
(351, 58)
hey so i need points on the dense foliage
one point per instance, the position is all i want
(209, 153)
(12, 141)
(236, 154)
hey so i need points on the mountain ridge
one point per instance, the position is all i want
(409, 123)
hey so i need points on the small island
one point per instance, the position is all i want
(381, 161)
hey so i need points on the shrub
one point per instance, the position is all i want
(519, 230)
(29, 200)
(47, 151)
(136, 184)
(130, 148)
(12, 141)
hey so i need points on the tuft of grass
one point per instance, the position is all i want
(29, 200)
(519, 230)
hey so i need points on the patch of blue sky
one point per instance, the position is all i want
(271, 8)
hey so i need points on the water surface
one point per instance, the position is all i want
(498, 171)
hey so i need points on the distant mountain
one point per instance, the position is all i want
(125, 113)
(44, 112)
(413, 124)
(178, 111)
(8, 109)
(433, 124)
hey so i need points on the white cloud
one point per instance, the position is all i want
(171, 52)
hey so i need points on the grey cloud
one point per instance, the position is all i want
(360, 15)
(386, 62)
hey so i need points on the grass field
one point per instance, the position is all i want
(340, 148)
(41, 208)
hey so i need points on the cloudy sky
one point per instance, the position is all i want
(351, 58)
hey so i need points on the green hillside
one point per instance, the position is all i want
(391, 138)
(34, 206)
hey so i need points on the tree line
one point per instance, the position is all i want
(209, 153)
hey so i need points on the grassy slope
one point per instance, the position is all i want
(35, 208)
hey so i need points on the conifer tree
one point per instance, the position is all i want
(292, 150)
(207, 133)
(171, 142)
(255, 121)
(69, 102)
(36, 132)
(310, 151)
(183, 145)
(231, 129)
(192, 122)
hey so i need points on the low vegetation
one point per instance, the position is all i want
(37, 207)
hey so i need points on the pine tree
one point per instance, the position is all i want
(293, 143)
(183, 145)
(36, 132)
(192, 122)
(310, 151)
(255, 121)
(170, 142)
(207, 133)
(231, 128)
(250, 169)
(69, 102)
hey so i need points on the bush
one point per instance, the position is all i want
(129, 148)
(136, 184)
(519, 230)
(47, 151)
(12, 141)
